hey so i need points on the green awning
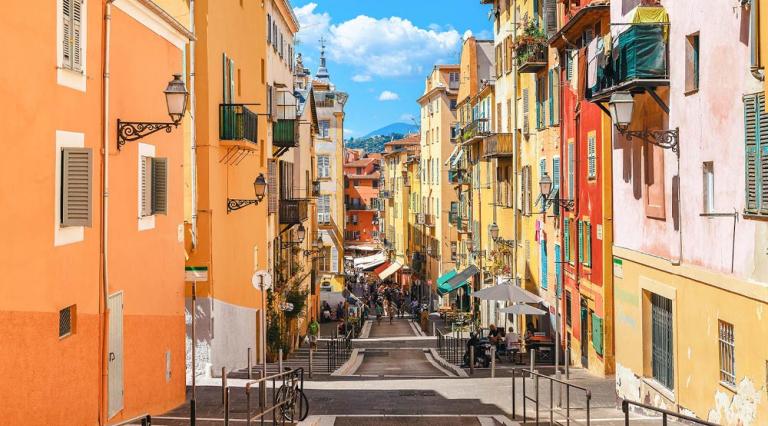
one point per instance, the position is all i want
(445, 284)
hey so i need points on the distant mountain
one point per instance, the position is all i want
(399, 128)
(374, 141)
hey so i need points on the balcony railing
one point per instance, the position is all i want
(459, 176)
(429, 220)
(459, 221)
(359, 206)
(479, 127)
(293, 212)
(531, 57)
(237, 122)
(640, 59)
(386, 194)
(284, 133)
(328, 103)
(499, 145)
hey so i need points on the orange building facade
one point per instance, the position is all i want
(90, 337)
(361, 201)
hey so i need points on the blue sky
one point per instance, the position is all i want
(380, 51)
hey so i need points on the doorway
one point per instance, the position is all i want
(584, 334)
(115, 355)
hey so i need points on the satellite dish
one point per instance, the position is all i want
(260, 278)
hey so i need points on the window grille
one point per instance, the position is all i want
(66, 321)
(727, 353)
(662, 340)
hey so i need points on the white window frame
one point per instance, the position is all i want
(708, 190)
(145, 223)
(63, 235)
(74, 79)
(324, 166)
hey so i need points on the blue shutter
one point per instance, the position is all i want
(567, 239)
(543, 260)
(571, 171)
(551, 97)
(580, 234)
(597, 333)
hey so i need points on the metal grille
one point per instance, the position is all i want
(727, 353)
(65, 321)
(661, 334)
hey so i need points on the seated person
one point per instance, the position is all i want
(493, 334)
(473, 340)
(512, 340)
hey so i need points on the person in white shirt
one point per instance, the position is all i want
(512, 340)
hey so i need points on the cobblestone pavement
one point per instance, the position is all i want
(401, 386)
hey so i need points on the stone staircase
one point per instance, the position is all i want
(299, 358)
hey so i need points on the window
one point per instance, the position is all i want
(544, 265)
(154, 186)
(567, 239)
(269, 28)
(324, 209)
(324, 128)
(375, 183)
(75, 207)
(662, 361)
(580, 235)
(453, 104)
(756, 145)
(541, 99)
(708, 172)
(692, 63)
(571, 170)
(72, 34)
(568, 307)
(591, 156)
(727, 353)
(499, 61)
(587, 244)
(323, 166)
(67, 321)
(556, 184)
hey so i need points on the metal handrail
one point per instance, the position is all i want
(664, 413)
(294, 374)
(523, 373)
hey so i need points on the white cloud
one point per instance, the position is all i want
(408, 118)
(388, 47)
(389, 96)
(361, 78)
(467, 34)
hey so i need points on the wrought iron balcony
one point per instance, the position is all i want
(429, 220)
(359, 207)
(531, 56)
(293, 212)
(639, 62)
(498, 145)
(237, 122)
(459, 177)
(478, 128)
(285, 133)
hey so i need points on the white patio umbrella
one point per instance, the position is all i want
(522, 309)
(507, 293)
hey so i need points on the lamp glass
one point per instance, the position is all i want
(260, 186)
(621, 106)
(300, 234)
(176, 98)
(494, 231)
(318, 243)
(545, 185)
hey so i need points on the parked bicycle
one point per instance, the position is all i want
(292, 400)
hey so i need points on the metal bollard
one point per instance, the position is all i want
(311, 355)
(433, 330)
(280, 360)
(493, 361)
(567, 363)
(249, 363)
(471, 360)
(226, 407)
(223, 385)
(533, 360)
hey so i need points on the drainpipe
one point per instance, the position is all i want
(192, 130)
(515, 159)
(104, 213)
(754, 28)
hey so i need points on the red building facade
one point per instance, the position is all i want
(361, 200)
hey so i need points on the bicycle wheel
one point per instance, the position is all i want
(303, 404)
(287, 403)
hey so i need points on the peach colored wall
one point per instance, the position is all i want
(39, 278)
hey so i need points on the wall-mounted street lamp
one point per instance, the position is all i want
(621, 107)
(548, 198)
(317, 247)
(259, 189)
(493, 229)
(176, 102)
(300, 234)
(470, 243)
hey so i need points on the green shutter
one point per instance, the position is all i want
(551, 97)
(597, 334)
(580, 233)
(752, 131)
(588, 244)
(159, 186)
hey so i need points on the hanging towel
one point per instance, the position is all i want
(607, 43)
(592, 52)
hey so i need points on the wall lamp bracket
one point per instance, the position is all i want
(666, 139)
(129, 131)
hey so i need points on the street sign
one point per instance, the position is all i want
(260, 278)
(196, 273)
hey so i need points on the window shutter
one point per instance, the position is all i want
(597, 333)
(76, 186)
(567, 239)
(269, 28)
(543, 261)
(556, 185)
(752, 134)
(528, 191)
(588, 244)
(231, 80)
(526, 125)
(558, 268)
(555, 96)
(591, 156)
(159, 186)
(550, 17)
(571, 171)
(580, 234)
(77, 17)
(334, 259)
(272, 190)
(66, 8)
(146, 186)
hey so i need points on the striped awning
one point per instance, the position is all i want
(389, 270)
(462, 276)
